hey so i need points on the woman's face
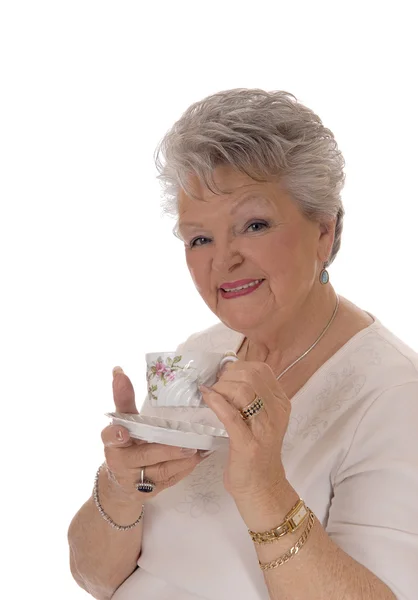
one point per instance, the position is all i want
(255, 237)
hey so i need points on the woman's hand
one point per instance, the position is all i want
(254, 474)
(164, 465)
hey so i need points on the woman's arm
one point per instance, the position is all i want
(369, 549)
(319, 570)
(101, 557)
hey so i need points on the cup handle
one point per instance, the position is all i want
(228, 357)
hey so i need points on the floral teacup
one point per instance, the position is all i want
(173, 378)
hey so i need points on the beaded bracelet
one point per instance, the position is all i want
(105, 515)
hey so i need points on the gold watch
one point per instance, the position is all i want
(292, 521)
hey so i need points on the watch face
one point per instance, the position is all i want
(297, 517)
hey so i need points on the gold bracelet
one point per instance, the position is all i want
(292, 521)
(294, 550)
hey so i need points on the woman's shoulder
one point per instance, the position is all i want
(396, 358)
(373, 366)
(217, 338)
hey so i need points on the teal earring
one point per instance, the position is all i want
(324, 276)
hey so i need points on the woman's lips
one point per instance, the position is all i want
(246, 286)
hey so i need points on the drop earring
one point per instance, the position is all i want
(324, 276)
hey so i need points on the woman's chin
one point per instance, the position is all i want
(239, 321)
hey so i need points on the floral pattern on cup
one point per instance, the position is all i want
(173, 378)
(163, 372)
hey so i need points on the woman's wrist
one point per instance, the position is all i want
(122, 511)
(112, 494)
(263, 514)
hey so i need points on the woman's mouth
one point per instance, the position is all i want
(240, 288)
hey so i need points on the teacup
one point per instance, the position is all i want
(174, 378)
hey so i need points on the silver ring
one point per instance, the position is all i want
(145, 485)
(252, 409)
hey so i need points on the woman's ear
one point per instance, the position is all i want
(326, 239)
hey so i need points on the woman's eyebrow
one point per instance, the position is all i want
(190, 224)
(261, 201)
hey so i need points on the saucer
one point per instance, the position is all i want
(172, 433)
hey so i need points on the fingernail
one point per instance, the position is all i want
(189, 451)
(119, 436)
(204, 453)
(203, 388)
(117, 370)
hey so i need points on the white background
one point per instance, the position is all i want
(91, 275)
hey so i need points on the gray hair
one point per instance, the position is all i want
(262, 134)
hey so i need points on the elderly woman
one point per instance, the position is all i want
(315, 495)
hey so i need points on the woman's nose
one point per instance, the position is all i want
(226, 258)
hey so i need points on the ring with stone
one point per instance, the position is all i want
(145, 485)
(252, 409)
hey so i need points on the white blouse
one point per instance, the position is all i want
(351, 452)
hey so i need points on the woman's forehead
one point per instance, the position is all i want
(237, 193)
(228, 204)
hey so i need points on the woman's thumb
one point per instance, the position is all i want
(123, 392)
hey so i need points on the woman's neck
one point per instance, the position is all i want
(292, 331)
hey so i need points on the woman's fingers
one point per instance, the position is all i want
(229, 415)
(151, 454)
(168, 473)
(118, 437)
(237, 388)
(162, 464)
(184, 468)
(124, 399)
(247, 381)
(240, 394)
(123, 392)
(126, 457)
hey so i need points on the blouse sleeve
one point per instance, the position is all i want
(374, 510)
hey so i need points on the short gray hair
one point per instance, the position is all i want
(263, 134)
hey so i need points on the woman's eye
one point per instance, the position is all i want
(256, 227)
(199, 241)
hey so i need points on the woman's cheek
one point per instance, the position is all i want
(196, 275)
(202, 282)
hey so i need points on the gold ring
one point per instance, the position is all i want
(252, 409)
